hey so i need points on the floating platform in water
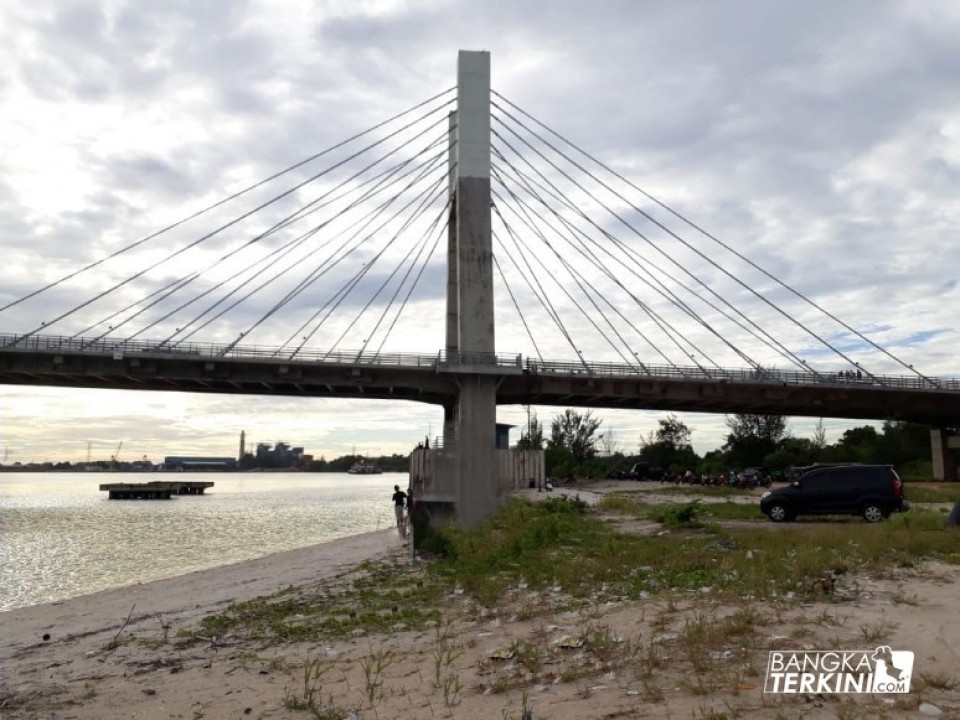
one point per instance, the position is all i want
(154, 490)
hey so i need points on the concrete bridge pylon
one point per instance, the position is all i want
(470, 464)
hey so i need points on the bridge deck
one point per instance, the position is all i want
(140, 365)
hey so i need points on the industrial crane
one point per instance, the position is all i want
(116, 455)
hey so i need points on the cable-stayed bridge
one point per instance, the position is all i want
(380, 267)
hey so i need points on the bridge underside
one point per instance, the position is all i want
(761, 398)
(229, 376)
(437, 383)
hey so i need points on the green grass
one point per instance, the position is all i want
(706, 490)
(924, 494)
(563, 543)
(626, 504)
(667, 513)
(582, 554)
(381, 599)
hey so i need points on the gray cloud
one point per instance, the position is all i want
(818, 139)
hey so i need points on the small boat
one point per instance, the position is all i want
(364, 468)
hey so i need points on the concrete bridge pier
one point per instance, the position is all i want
(942, 445)
(471, 323)
(463, 483)
(478, 491)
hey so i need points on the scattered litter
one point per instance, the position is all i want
(551, 628)
(570, 642)
(930, 710)
(484, 634)
(502, 654)
(749, 554)
(718, 655)
(595, 688)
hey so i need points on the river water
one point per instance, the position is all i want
(61, 537)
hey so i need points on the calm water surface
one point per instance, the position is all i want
(61, 537)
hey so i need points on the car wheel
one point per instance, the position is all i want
(872, 513)
(778, 513)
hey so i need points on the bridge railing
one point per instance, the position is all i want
(213, 351)
(451, 361)
(739, 375)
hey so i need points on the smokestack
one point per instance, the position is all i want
(243, 445)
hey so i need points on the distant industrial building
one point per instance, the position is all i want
(184, 462)
(280, 455)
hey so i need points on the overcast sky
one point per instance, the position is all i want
(820, 139)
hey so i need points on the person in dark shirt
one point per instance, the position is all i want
(399, 501)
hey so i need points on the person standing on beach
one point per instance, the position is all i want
(399, 501)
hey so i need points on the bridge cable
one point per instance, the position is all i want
(663, 290)
(282, 251)
(531, 226)
(590, 258)
(575, 276)
(513, 299)
(330, 263)
(545, 301)
(413, 285)
(380, 181)
(160, 294)
(427, 200)
(729, 249)
(220, 229)
(533, 285)
(654, 246)
(312, 279)
(640, 332)
(420, 246)
(223, 201)
(733, 277)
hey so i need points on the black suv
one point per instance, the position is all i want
(873, 491)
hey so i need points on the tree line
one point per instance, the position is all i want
(579, 446)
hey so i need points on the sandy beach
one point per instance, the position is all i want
(139, 651)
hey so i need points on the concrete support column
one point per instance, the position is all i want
(474, 244)
(479, 494)
(476, 406)
(944, 465)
